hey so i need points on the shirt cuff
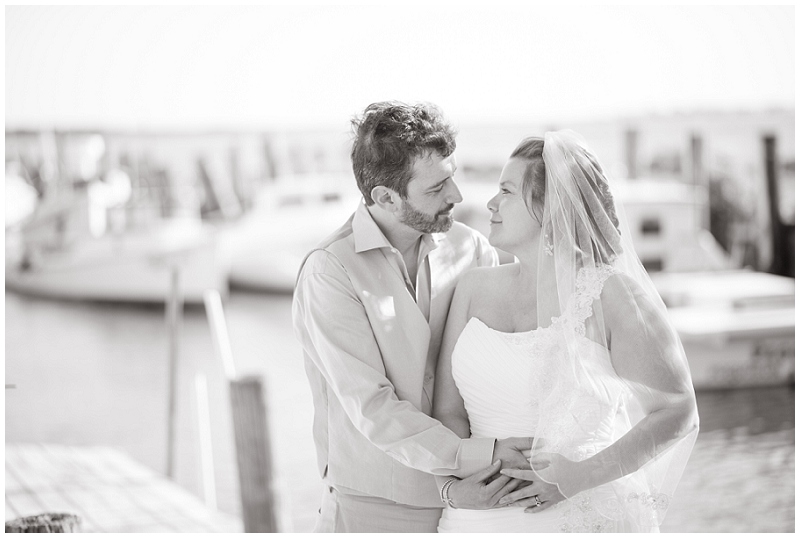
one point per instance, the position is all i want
(474, 454)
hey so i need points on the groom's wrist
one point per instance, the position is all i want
(475, 454)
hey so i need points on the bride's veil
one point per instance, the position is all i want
(590, 280)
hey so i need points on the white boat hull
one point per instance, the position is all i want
(267, 246)
(737, 327)
(135, 268)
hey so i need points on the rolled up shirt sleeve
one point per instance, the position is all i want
(336, 335)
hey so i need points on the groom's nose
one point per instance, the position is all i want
(453, 194)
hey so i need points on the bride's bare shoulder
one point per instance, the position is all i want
(622, 295)
(622, 284)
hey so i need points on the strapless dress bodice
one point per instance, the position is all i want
(498, 374)
(558, 386)
(501, 378)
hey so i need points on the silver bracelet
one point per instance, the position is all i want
(445, 485)
(445, 492)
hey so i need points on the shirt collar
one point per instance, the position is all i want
(367, 235)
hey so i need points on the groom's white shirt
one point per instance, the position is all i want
(370, 346)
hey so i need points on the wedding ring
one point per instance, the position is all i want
(538, 502)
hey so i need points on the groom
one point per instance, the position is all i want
(369, 308)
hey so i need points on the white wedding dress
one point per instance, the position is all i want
(501, 377)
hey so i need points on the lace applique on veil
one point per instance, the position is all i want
(582, 404)
(583, 407)
(588, 287)
(579, 406)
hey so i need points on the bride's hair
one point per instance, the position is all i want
(531, 150)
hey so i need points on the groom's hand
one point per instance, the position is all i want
(513, 452)
(483, 489)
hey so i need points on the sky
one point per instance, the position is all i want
(260, 67)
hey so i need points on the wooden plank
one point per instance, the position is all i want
(93, 507)
(36, 469)
(47, 522)
(253, 454)
(88, 523)
(43, 470)
(251, 438)
(12, 484)
(11, 512)
(77, 464)
(108, 490)
(25, 503)
(56, 502)
(99, 464)
(16, 464)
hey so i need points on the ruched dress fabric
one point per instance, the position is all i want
(500, 377)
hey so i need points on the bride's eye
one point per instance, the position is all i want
(505, 191)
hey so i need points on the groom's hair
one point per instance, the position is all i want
(389, 136)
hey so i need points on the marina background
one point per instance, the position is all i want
(175, 143)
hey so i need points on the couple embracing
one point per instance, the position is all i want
(455, 394)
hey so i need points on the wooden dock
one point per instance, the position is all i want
(108, 490)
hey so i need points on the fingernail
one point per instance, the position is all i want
(496, 463)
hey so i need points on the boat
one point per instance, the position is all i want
(68, 249)
(289, 217)
(132, 267)
(737, 327)
(21, 199)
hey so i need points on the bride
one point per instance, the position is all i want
(571, 345)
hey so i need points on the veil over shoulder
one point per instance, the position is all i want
(616, 413)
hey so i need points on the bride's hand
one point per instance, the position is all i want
(537, 496)
(483, 489)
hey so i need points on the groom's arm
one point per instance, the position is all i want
(336, 335)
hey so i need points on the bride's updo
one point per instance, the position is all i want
(531, 150)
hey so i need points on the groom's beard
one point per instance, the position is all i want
(422, 222)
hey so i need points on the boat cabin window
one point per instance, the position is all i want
(651, 227)
(653, 265)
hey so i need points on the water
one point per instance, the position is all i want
(96, 374)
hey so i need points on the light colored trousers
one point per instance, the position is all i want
(342, 512)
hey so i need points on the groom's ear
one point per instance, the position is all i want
(385, 198)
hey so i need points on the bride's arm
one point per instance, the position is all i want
(448, 406)
(647, 354)
(478, 491)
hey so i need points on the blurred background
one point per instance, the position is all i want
(155, 153)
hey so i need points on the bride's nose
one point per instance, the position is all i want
(492, 203)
